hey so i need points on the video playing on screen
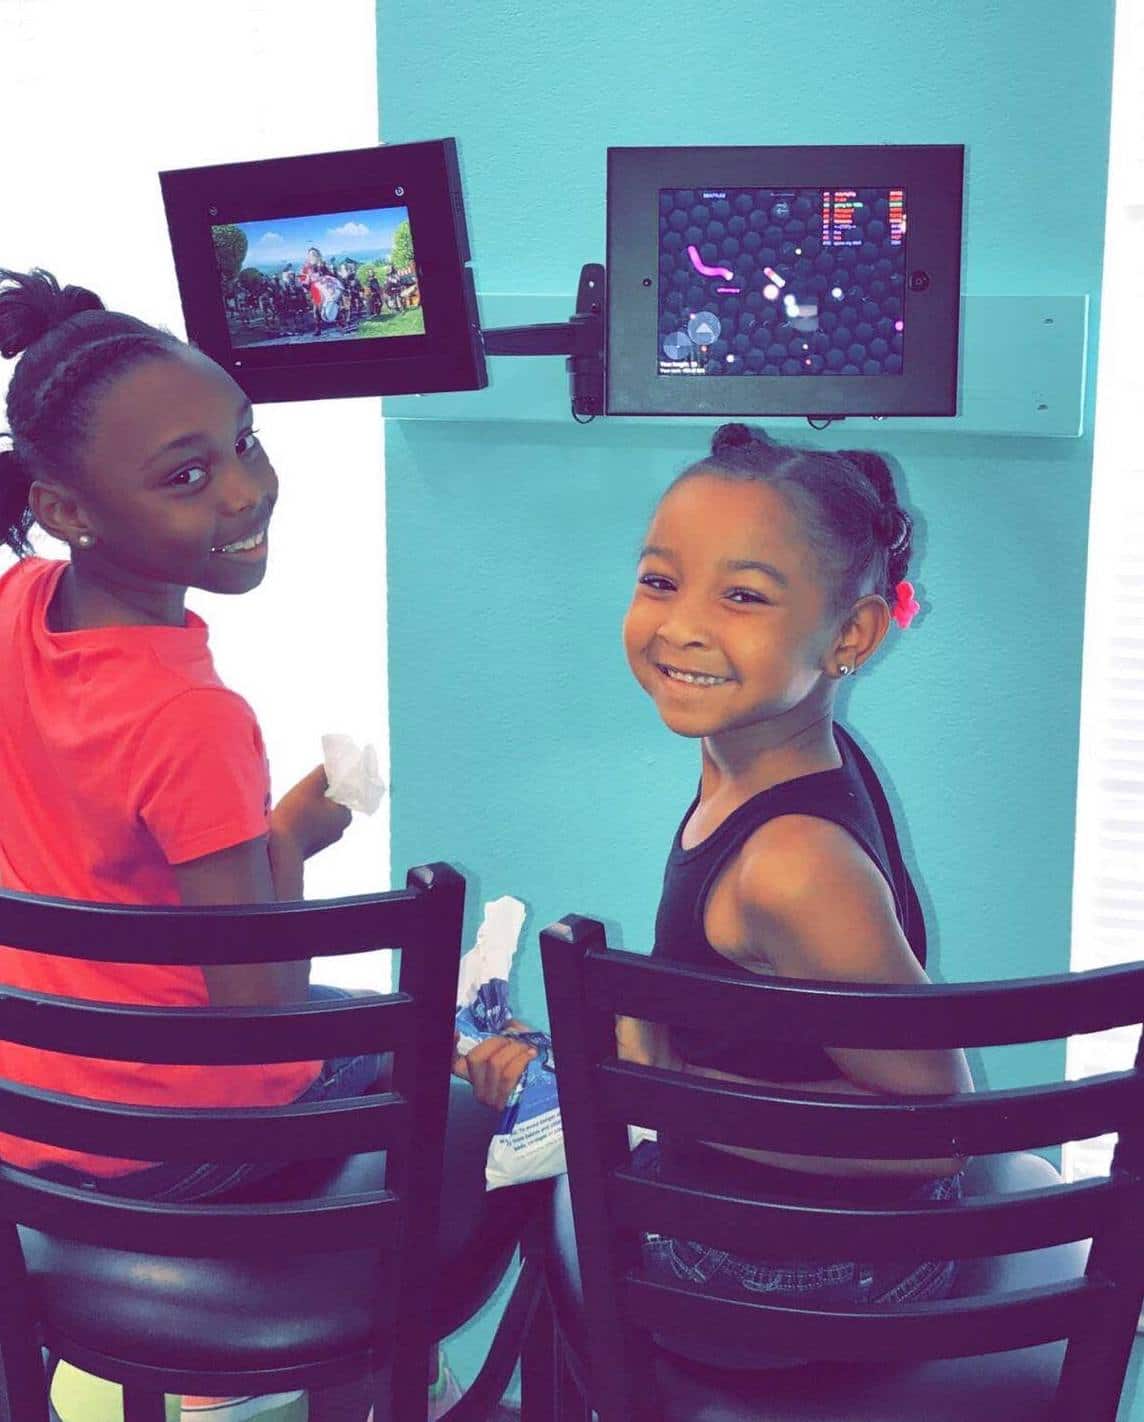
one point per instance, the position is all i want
(781, 281)
(298, 280)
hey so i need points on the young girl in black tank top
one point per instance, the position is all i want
(769, 575)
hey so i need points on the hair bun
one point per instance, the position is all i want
(738, 436)
(74, 299)
(893, 527)
(732, 436)
(32, 304)
(876, 470)
(900, 530)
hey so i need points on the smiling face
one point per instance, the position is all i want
(729, 625)
(174, 484)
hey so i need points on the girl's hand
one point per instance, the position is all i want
(494, 1066)
(305, 816)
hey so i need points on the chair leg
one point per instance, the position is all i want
(342, 1402)
(24, 1387)
(1093, 1373)
(24, 1376)
(142, 1405)
(539, 1360)
(488, 1387)
(549, 1391)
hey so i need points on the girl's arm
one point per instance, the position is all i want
(303, 823)
(807, 891)
(265, 870)
(648, 1044)
(241, 875)
(813, 905)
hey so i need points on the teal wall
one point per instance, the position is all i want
(521, 748)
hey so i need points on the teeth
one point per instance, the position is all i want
(693, 678)
(243, 543)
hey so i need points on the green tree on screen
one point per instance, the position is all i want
(402, 253)
(230, 249)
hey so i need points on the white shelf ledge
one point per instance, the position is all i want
(1022, 372)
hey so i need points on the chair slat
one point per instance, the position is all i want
(207, 1231)
(206, 1035)
(876, 1015)
(774, 1229)
(305, 1131)
(981, 1123)
(243, 933)
(950, 1328)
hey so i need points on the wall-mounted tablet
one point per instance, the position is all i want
(818, 281)
(330, 274)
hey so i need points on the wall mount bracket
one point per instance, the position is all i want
(581, 339)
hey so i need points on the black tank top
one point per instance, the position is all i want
(851, 797)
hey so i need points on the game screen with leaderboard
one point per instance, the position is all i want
(782, 281)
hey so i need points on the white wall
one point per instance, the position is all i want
(97, 100)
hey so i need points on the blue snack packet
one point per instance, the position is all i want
(529, 1140)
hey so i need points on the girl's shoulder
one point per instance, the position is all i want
(27, 577)
(30, 568)
(791, 857)
(809, 890)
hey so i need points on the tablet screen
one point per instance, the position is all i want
(337, 276)
(798, 281)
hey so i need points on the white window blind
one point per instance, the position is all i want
(1108, 888)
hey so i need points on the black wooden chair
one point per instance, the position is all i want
(1019, 1227)
(352, 1260)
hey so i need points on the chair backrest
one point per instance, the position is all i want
(588, 985)
(424, 921)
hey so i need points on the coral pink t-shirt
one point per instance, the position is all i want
(121, 753)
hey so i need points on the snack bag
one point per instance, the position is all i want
(529, 1141)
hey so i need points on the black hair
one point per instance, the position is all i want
(70, 348)
(848, 501)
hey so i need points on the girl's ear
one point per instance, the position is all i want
(57, 511)
(861, 634)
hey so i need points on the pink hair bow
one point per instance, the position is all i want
(906, 606)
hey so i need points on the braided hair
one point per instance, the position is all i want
(70, 348)
(847, 501)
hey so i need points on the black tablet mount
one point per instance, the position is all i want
(619, 341)
(581, 339)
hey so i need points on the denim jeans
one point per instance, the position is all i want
(800, 1282)
(339, 1078)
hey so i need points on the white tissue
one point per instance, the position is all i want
(492, 954)
(353, 774)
